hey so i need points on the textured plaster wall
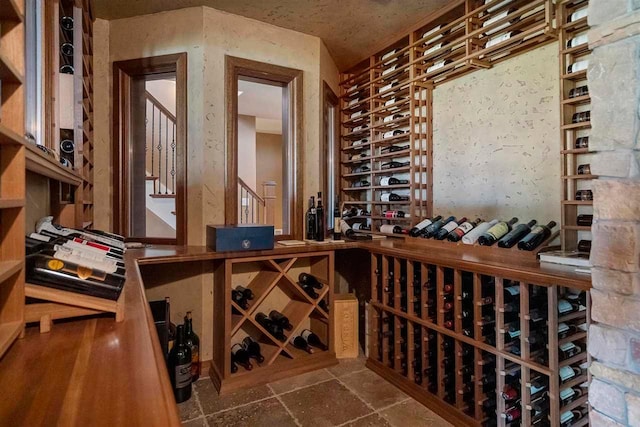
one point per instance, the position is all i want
(206, 35)
(495, 136)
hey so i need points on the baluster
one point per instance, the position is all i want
(166, 156)
(253, 201)
(173, 159)
(159, 150)
(153, 129)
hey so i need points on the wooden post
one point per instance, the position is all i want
(269, 196)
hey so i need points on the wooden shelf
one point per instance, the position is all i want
(578, 177)
(9, 268)
(9, 137)
(577, 227)
(578, 100)
(11, 203)
(42, 164)
(8, 72)
(9, 11)
(8, 333)
(573, 126)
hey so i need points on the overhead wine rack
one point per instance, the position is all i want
(386, 102)
(480, 349)
(273, 281)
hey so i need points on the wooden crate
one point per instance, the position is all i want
(345, 326)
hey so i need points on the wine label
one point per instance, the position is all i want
(498, 39)
(387, 228)
(385, 197)
(183, 375)
(388, 54)
(513, 290)
(514, 334)
(306, 334)
(565, 417)
(389, 70)
(389, 102)
(499, 230)
(566, 372)
(465, 227)
(384, 181)
(357, 226)
(563, 328)
(352, 88)
(424, 223)
(537, 230)
(353, 102)
(568, 347)
(432, 49)
(567, 394)
(436, 66)
(235, 348)
(356, 114)
(535, 389)
(578, 66)
(450, 226)
(579, 14)
(578, 40)
(564, 306)
(431, 31)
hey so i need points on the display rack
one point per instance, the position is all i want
(85, 123)
(455, 339)
(572, 153)
(12, 175)
(274, 283)
(392, 91)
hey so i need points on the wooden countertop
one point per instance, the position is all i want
(99, 372)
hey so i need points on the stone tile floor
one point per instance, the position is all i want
(347, 394)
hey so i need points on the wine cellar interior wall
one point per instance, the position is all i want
(495, 140)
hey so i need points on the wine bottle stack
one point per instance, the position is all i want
(279, 312)
(493, 348)
(575, 106)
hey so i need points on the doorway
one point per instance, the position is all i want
(149, 149)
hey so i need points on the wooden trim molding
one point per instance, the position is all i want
(123, 74)
(286, 77)
(329, 98)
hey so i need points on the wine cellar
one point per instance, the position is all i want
(274, 284)
(401, 214)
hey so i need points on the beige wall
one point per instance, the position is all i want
(269, 168)
(207, 35)
(495, 140)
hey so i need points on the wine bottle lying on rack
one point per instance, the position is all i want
(448, 228)
(417, 230)
(252, 347)
(582, 142)
(472, 236)
(578, 91)
(538, 234)
(270, 326)
(46, 224)
(462, 229)
(393, 197)
(431, 230)
(313, 339)
(510, 239)
(240, 356)
(496, 232)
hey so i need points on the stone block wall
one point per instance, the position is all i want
(614, 336)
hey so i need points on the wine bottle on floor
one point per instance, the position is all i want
(313, 339)
(240, 356)
(302, 344)
(496, 232)
(538, 234)
(515, 235)
(193, 342)
(252, 348)
(180, 367)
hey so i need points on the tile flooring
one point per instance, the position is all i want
(347, 394)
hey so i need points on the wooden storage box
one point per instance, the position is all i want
(345, 326)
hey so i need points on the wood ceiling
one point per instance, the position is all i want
(349, 28)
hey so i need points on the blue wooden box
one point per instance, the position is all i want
(249, 237)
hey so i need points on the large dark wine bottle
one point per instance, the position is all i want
(538, 234)
(270, 326)
(415, 231)
(252, 348)
(240, 356)
(180, 367)
(313, 339)
(448, 228)
(302, 344)
(390, 180)
(280, 319)
(496, 232)
(319, 228)
(311, 219)
(462, 229)
(515, 235)
(193, 342)
(307, 279)
(432, 229)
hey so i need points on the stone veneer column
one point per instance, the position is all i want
(614, 336)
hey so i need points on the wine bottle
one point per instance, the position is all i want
(234, 367)
(390, 180)
(417, 230)
(581, 117)
(311, 219)
(246, 292)
(240, 356)
(512, 414)
(510, 239)
(358, 114)
(306, 279)
(578, 91)
(394, 165)
(390, 229)
(313, 340)
(270, 326)
(180, 367)
(395, 214)
(361, 226)
(193, 342)
(280, 320)
(67, 69)
(337, 233)
(393, 197)
(584, 195)
(66, 49)
(584, 220)
(66, 22)
(361, 169)
(577, 40)
(495, 40)
(538, 234)
(438, 65)
(472, 237)
(493, 234)
(302, 344)
(361, 184)
(582, 142)
(448, 228)
(578, 14)
(578, 66)
(511, 390)
(349, 233)
(319, 228)
(584, 246)
(431, 230)
(464, 227)
(568, 350)
(252, 348)
(394, 148)
(584, 169)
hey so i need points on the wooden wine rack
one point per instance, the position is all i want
(84, 65)
(409, 335)
(571, 156)
(451, 45)
(12, 171)
(273, 280)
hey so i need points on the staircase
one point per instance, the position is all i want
(255, 209)
(160, 162)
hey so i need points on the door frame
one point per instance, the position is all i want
(292, 78)
(123, 73)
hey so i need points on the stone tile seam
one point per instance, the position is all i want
(286, 408)
(356, 394)
(378, 411)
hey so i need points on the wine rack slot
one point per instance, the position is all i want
(284, 304)
(496, 351)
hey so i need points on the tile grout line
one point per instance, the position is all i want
(241, 405)
(295, 420)
(377, 411)
(300, 388)
(200, 404)
(356, 395)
